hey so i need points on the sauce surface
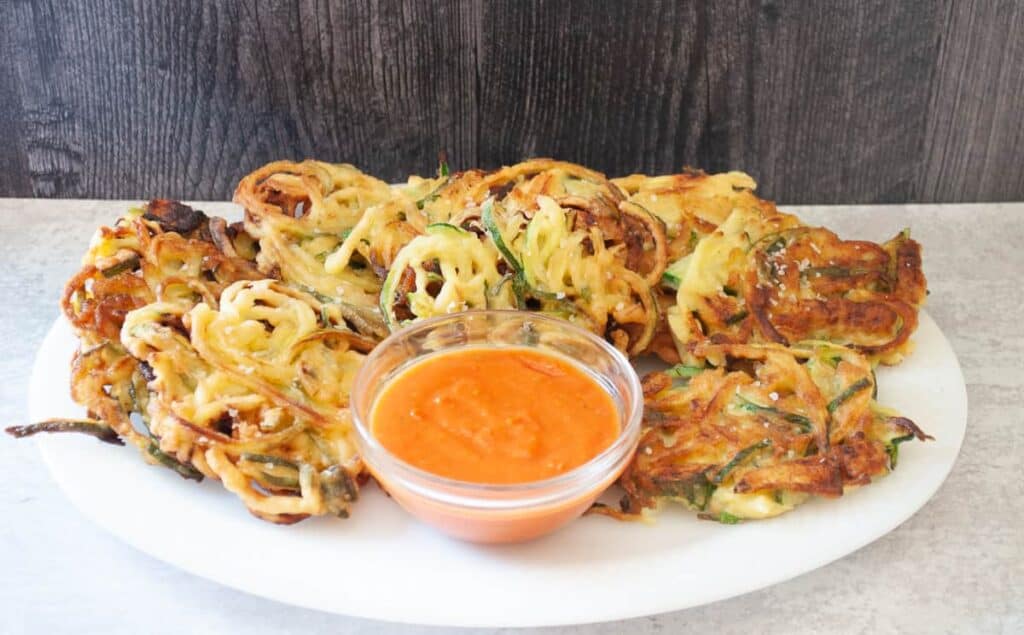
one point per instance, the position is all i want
(490, 415)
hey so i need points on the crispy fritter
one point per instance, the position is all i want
(138, 261)
(759, 430)
(143, 258)
(255, 394)
(691, 204)
(768, 278)
(553, 237)
(177, 325)
(351, 238)
(312, 222)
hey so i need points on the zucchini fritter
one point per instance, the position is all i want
(691, 204)
(760, 430)
(209, 370)
(254, 393)
(166, 252)
(554, 237)
(305, 217)
(768, 278)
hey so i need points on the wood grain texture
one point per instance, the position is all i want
(976, 114)
(831, 101)
(605, 84)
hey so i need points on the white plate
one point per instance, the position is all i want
(382, 564)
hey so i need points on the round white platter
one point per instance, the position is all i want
(383, 564)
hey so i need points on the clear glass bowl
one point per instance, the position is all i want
(497, 513)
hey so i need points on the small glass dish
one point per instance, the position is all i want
(497, 513)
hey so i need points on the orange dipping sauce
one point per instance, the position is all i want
(494, 415)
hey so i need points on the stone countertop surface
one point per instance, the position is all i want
(957, 566)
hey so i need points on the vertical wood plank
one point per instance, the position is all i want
(974, 148)
(616, 86)
(394, 83)
(832, 101)
(14, 172)
(15, 179)
(47, 133)
(733, 77)
(827, 105)
(181, 99)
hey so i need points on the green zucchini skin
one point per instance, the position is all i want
(740, 457)
(728, 519)
(273, 460)
(443, 227)
(850, 391)
(184, 471)
(696, 489)
(260, 463)
(672, 277)
(893, 449)
(520, 288)
(96, 429)
(433, 196)
(683, 370)
(805, 424)
(130, 264)
(338, 489)
(491, 226)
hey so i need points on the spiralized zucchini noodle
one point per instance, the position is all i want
(228, 351)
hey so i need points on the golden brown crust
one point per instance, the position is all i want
(776, 280)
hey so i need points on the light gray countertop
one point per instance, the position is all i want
(957, 566)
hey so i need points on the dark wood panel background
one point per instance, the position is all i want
(822, 102)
